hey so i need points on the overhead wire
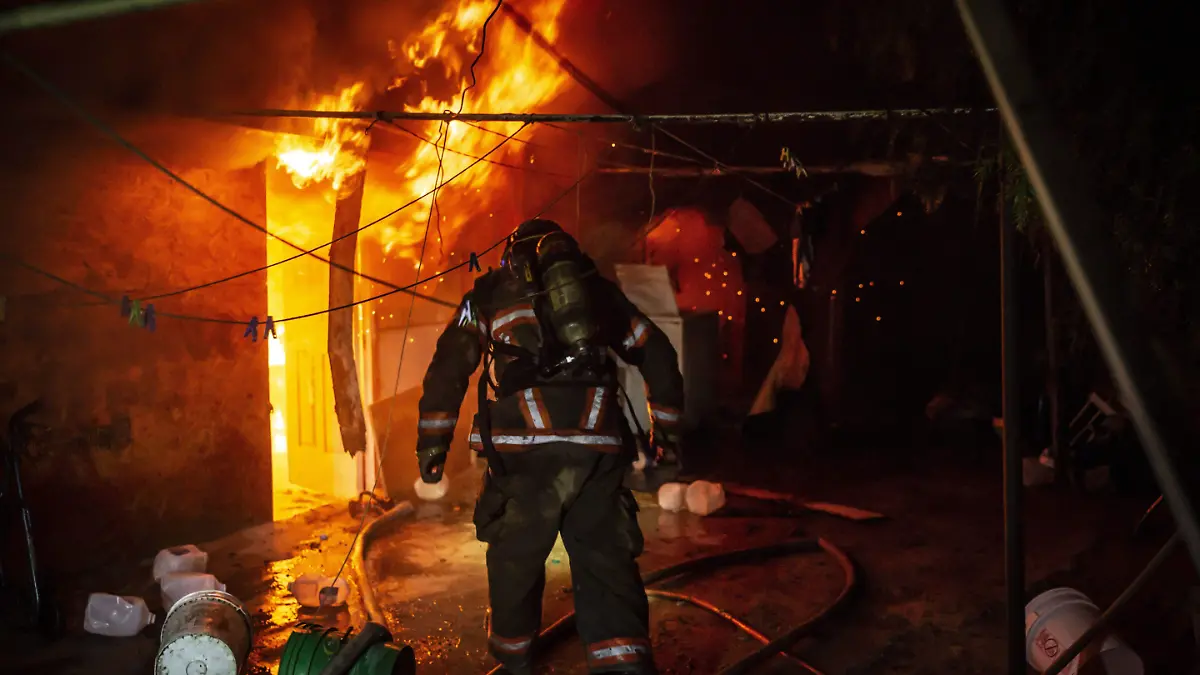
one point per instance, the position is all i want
(437, 186)
(99, 124)
(110, 300)
(444, 132)
(419, 137)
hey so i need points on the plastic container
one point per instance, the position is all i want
(179, 584)
(116, 616)
(307, 589)
(187, 558)
(1058, 617)
(431, 492)
(205, 633)
(704, 497)
(672, 497)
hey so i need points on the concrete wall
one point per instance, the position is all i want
(156, 438)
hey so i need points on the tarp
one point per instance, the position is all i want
(790, 369)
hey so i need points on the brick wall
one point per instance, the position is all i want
(156, 438)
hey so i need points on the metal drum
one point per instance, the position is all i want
(205, 633)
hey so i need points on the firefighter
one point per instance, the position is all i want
(556, 441)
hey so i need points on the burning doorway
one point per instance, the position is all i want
(309, 468)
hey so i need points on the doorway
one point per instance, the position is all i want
(309, 468)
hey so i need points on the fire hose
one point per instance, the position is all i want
(562, 628)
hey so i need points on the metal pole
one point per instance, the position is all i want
(611, 118)
(1014, 534)
(1101, 624)
(1087, 253)
(56, 14)
(1052, 375)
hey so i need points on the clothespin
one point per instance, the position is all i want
(149, 318)
(473, 264)
(252, 330)
(125, 306)
(135, 314)
(269, 328)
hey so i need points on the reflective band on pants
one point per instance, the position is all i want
(510, 646)
(618, 651)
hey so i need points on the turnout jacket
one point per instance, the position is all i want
(530, 410)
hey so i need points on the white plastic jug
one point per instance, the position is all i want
(307, 589)
(1057, 618)
(431, 492)
(178, 584)
(671, 496)
(704, 497)
(187, 558)
(116, 616)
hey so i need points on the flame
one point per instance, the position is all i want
(514, 75)
(337, 149)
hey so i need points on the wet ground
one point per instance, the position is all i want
(930, 598)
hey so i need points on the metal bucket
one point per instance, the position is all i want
(205, 633)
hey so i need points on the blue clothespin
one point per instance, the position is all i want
(149, 318)
(135, 314)
(252, 330)
(269, 328)
(125, 306)
(473, 264)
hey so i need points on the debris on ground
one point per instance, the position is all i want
(115, 615)
(307, 590)
(186, 558)
(179, 584)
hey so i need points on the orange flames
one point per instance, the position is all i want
(513, 76)
(338, 148)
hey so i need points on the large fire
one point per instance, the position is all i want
(514, 75)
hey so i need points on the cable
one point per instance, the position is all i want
(723, 166)
(108, 300)
(419, 137)
(653, 197)
(382, 218)
(444, 132)
(57, 93)
(738, 623)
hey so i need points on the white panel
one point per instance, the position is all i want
(649, 288)
(418, 354)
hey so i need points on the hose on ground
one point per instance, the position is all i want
(563, 627)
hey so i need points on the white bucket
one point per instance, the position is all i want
(1057, 618)
(205, 633)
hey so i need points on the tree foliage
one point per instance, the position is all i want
(1115, 72)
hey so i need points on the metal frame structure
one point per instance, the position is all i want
(1072, 218)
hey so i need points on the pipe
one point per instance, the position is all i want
(611, 118)
(1072, 217)
(1101, 623)
(1014, 531)
(56, 14)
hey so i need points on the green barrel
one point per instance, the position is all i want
(311, 646)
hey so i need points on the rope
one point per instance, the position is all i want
(67, 101)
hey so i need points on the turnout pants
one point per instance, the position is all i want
(576, 491)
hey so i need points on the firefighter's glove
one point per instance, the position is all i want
(431, 462)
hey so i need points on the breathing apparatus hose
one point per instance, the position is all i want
(563, 627)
